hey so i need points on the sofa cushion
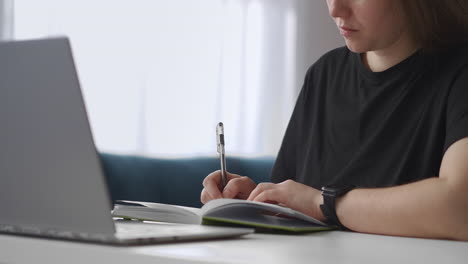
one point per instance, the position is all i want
(172, 181)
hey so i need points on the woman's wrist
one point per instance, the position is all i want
(340, 209)
(318, 201)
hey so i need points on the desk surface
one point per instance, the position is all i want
(322, 247)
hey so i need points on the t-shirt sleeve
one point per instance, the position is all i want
(457, 110)
(286, 160)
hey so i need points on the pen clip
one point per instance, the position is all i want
(220, 137)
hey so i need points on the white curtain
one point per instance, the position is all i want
(157, 76)
(6, 19)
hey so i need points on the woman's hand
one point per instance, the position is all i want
(291, 194)
(238, 187)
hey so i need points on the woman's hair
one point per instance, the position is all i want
(437, 24)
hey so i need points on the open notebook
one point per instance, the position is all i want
(223, 212)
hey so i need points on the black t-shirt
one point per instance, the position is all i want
(354, 126)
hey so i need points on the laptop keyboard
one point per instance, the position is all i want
(130, 232)
(53, 233)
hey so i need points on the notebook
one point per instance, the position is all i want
(262, 216)
(52, 182)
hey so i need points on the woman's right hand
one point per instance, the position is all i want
(237, 186)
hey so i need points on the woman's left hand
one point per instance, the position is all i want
(294, 195)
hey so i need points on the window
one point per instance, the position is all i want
(157, 76)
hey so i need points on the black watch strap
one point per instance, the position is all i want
(330, 193)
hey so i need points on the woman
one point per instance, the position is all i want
(380, 125)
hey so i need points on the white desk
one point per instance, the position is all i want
(323, 247)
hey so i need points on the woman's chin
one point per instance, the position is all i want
(356, 46)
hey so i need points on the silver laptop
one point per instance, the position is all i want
(51, 180)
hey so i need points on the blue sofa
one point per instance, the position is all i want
(172, 181)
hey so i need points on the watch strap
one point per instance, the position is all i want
(330, 194)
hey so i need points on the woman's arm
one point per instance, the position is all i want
(432, 208)
(436, 207)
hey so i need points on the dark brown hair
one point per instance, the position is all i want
(437, 24)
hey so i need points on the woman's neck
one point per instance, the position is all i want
(383, 59)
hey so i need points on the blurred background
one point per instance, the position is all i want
(158, 75)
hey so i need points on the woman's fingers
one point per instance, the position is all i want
(239, 188)
(261, 187)
(205, 197)
(212, 186)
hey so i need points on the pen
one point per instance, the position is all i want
(222, 156)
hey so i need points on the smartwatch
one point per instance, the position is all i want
(330, 193)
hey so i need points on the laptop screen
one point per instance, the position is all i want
(51, 177)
